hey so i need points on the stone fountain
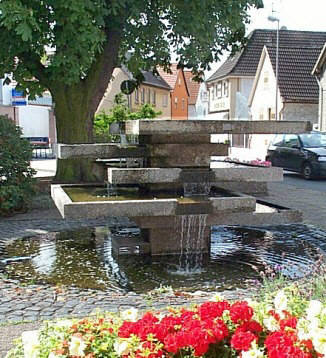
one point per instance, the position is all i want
(174, 196)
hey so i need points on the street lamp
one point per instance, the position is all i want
(275, 19)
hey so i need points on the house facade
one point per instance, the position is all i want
(297, 89)
(231, 85)
(34, 117)
(319, 71)
(179, 91)
(153, 90)
(198, 97)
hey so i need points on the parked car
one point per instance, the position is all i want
(301, 153)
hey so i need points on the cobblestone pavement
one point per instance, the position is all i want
(36, 303)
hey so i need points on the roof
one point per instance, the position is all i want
(320, 61)
(193, 87)
(295, 81)
(169, 78)
(245, 62)
(153, 80)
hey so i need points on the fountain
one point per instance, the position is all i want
(175, 197)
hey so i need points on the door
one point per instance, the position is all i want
(291, 154)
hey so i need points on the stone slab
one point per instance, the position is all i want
(103, 151)
(188, 152)
(178, 175)
(174, 139)
(265, 214)
(194, 127)
(147, 207)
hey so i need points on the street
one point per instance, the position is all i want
(297, 181)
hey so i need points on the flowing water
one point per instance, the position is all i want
(84, 258)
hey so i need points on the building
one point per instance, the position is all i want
(35, 117)
(198, 97)
(319, 71)
(297, 89)
(179, 91)
(230, 86)
(153, 90)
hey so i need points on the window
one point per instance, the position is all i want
(278, 140)
(176, 102)
(165, 100)
(136, 96)
(154, 97)
(212, 92)
(261, 114)
(143, 95)
(291, 140)
(179, 81)
(266, 75)
(226, 88)
(183, 104)
(148, 96)
(219, 89)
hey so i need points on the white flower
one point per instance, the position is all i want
(121, 347)
(314, 308)
(31, 344)
(254, 352)
(271, 324)
(319, 341)
(314, 323)
(130, 314)
(280, 301)
(52, 355)
(303, 329)
(65, 323)
(77, 346)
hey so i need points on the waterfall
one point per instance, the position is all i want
(192, 236)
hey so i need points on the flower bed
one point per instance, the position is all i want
(282, 326)
(253, 163)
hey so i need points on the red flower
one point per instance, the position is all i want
(251, 326)
(288, 322)
(211, 310)
(241, 312)
(241, 341)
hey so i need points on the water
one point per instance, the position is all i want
(191, 243)
(84, 258)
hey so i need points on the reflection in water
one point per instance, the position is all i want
(44, 262)
(84, 258)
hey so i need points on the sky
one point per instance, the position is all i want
(304, 15)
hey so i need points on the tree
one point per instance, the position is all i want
(71, 47)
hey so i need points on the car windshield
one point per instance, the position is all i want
(311, 140)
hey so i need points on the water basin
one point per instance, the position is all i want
(84, 258)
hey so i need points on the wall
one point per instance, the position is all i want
(118, 76)
(300, 111)
(322, 99)
(162, 100)
(179, 98)
(34, 121)
(10, 111)
(263, 102)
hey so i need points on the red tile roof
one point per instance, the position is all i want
(169, 78)
(193, 87)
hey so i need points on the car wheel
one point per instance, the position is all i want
(307, 172)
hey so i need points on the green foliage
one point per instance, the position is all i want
(119, 113)
(16, 182)
(197, 31)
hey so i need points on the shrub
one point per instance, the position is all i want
(16, 182)
(119, 113)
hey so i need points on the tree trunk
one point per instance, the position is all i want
(75, 107)
(74, 126)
